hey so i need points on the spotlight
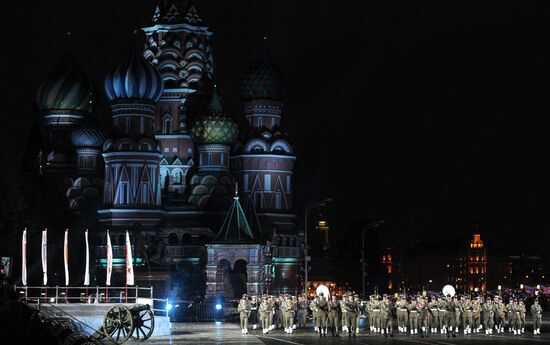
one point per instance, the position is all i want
(52, 300)
(168, 307)
(218, 306)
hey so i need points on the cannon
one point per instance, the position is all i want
(123, 322)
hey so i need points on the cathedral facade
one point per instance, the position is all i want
(208, 203)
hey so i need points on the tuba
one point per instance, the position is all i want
(449, 290)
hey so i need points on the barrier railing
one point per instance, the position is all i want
(195, 311)
(93, 295)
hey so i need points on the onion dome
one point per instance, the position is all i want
(263, 80)
(88, 135)
(67, 89)
(215, 127)
(134, 79)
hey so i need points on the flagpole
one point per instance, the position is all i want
(66, 261)
(129, 264)
(109, 266)
(24, 260)
(126, 292)
(87, 270)
(45, 262)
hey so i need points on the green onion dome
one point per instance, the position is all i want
(66, 89)
(263, 80)
(215, 127)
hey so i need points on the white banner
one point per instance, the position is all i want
(66, 256)
(109, 259)
(129, 265)
(24, 258)
(45, 255)
(87, 271)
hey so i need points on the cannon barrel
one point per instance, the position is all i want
(136, 308)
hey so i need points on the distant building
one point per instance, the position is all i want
(429, 265)
(476, 272)
(387, 262)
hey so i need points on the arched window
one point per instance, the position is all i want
(172, 239)
(167, 123)
(186, 239)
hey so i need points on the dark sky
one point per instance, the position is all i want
(432, 116)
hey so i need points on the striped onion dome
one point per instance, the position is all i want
(66, 89)
(88, 135)
(134, 79)
(263, 80)
(215, 127)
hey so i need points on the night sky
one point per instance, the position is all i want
(433, 118)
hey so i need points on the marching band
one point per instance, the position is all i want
(446, 315)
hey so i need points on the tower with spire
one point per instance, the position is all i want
(236, 241)
(178, 44)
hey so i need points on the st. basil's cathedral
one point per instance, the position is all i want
(208, 204)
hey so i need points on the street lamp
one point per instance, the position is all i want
(310, 207)
(363, 262)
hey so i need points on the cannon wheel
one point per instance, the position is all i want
(118, 324)
(144, 323)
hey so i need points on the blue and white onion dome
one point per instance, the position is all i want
(67, 89)
(134, 79)
(88, 135)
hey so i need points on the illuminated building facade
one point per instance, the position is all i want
(168, 169)
(477, 265)
(387, 262)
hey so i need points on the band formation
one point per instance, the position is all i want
(416, 316)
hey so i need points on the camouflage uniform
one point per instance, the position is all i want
(265, 312)
(402, 314)
(333, 315)
(321, 318)
(244, 312)
(386, 316)
(450, 321)
(434, 311)
(488, 316)
(351, 309)
(522, 313)
(536, 313)
(375, 312)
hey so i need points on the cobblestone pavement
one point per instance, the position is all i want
(229, 333)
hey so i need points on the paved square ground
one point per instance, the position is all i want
(229, 333)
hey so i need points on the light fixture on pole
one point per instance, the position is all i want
(322, 225)
(309, 207)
